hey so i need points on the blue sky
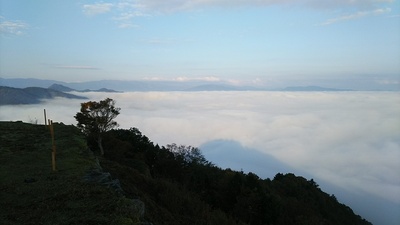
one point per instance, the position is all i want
(258, 42)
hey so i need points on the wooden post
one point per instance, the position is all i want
(52, 132)
(45, 119)
(53, 146)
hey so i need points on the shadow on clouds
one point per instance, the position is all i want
(232, 154)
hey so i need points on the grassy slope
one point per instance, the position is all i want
(60, 197)
(63, 197)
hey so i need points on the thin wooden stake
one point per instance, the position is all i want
(45, 119)
(52, 132)
(53, 145)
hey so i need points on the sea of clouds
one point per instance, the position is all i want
(346, 140)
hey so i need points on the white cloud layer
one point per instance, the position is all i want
(350, 139)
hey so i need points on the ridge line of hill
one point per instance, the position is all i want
(176, 184)
(31, 95)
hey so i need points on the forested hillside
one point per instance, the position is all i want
(179, 186)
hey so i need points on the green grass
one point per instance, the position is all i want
(31, 193)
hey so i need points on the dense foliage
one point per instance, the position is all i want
(95, 118)
(179, 186)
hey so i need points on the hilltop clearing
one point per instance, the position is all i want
(31, 193)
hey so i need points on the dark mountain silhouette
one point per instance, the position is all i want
(63, 88)
(313, 88)
(152, 85)
(30, 95)
(60, 87)
(185, 85)
(100, 90)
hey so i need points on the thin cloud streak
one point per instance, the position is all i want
(185, 5)
(76, 67)
(357, 15)
(12, 27)
(136, 8)
(127, 25)
(97, 8)
(125, 11)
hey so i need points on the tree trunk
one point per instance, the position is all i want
(99, 142)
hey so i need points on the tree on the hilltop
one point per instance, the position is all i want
(188, 154)
(96, 118)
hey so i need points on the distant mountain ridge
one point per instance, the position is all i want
(63, 88)
(127, 85)
(312, 88)
(60, 87)
(30, 95)
(150, 85)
